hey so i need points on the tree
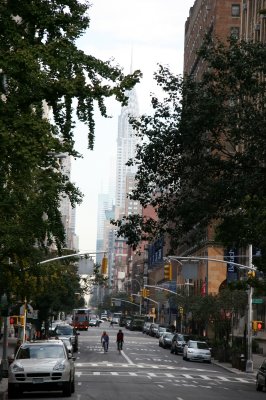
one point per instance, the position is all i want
(201, 157)
(44, 80)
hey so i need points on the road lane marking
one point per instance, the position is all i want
(222, 378)
(127, 358)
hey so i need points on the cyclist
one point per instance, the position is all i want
(105, 341)
(120, 340)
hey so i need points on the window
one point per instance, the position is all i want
(234, 32)
(235, 10)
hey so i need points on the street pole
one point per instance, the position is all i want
(249, 363)
(4, 362)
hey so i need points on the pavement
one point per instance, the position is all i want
(257, 361)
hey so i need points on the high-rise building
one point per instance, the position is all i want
(104, 204)
(253, 26)
(126, 148)
(220, 18)
(68, 213)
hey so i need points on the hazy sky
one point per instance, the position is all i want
(154, 29)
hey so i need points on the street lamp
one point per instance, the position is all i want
(250, 267)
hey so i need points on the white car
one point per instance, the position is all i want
(68, 343)
(197, 350)
(41, 366)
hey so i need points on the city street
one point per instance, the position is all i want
(146, 371)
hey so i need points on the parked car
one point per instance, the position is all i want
(195, 350)
(136, 324)
(261, 377)
(165, 339)
(68, 343)
(146, 327)
(161, 330)
(153, 329)
(68, 331)
(178, 343)
(41, 366)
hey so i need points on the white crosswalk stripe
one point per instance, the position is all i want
(182, 379)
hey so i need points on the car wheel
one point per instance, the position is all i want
(259, 387)
(67, 389)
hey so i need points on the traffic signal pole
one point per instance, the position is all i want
(249, 363)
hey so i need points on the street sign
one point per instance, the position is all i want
(257, 301)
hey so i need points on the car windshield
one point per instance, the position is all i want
(41, 352)
(202, 345)
(64, 330)
(168, 335)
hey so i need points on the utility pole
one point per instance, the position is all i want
(249, 363)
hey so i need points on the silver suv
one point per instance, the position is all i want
(41, 366)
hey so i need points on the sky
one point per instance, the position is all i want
(150, 32)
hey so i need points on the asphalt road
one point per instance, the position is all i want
(146, 371)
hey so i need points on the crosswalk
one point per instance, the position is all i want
(146, 370)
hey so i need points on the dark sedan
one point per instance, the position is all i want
(261, 377)
(165, 340)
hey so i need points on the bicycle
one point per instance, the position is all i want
(105, 346)
(119, 346)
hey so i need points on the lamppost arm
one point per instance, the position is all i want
(240, 266)
(125, 301)
(164, 289)
(71, 255)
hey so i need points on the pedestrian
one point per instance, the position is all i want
(105, 341)
(120, 340)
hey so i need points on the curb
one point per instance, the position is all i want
(234, 370)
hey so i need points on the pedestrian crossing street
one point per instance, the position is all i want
(144, 370)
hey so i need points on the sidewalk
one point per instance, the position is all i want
(257, 361)
(10, 350)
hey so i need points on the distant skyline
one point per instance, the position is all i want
(152, 32)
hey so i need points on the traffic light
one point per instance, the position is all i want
(147, 293)
(22, 320)
(131, 299)
(104, 265)
(181, 311)
(13, 320)
(257, 325)
(251, 274)
(168, 272)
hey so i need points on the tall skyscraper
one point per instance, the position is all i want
(104, 204)
(126, 148)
